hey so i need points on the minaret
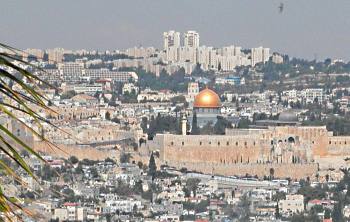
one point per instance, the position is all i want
(184, 124)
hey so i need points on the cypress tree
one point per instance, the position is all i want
(195, 129)
(152, 168)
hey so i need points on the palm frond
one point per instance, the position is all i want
(15, 103)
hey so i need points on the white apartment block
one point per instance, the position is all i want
(259, 55)
(291, 94)
(129, 87)
(155, 96)
(276, 58)
(140, 52)
(88, 89)
(75, 72)
(50, 75)
(188, 54)
(222, 59)
(38, 53)
(114, 203)
(293, 204)
(171, 39)
(307, 95)
(70, 213)
(192, 90)
(71, 71)
(310, 95)
(230, 51)
(95, 74)
(191, 39)
(55, 55)
(173, 54)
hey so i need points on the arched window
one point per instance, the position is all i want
(291, 140)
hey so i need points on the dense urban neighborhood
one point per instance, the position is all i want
(183, 133)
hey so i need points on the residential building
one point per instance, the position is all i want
(171, 39)
(191, 39)
(293, 204)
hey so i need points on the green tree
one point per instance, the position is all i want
(195, 129)
(69, 195)
(152, 168)
(272, 173)
(243, 123)
(207, 129)
(192, 186)
(125, 157)
(178, 99)
(73, 160)
(221, 125)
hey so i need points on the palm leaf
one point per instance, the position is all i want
(23, 99)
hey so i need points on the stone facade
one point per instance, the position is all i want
(292, 151)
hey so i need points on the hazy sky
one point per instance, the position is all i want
(306, 28)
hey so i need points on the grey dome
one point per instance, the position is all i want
(288, 116)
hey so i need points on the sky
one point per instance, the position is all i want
(306, 29)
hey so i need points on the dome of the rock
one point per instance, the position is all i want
(207, 99)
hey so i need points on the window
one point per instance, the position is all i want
(291, 140)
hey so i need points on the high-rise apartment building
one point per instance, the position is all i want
(37, 53)
(171, 39)
(55, 55)
(259, 55)
(191, 39)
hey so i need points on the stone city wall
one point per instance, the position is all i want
(65, 151)
(294, 171)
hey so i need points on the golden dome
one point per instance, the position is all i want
(207, 99)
